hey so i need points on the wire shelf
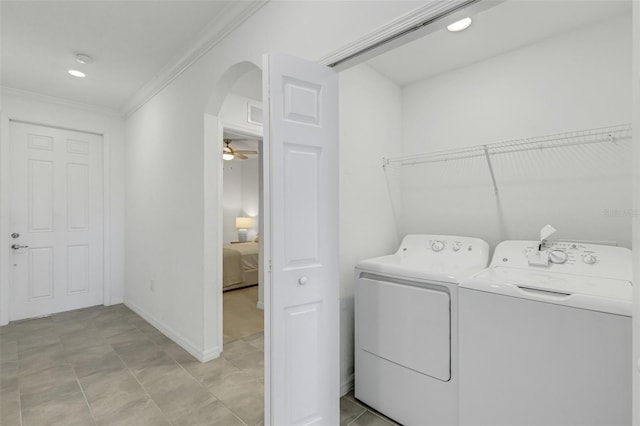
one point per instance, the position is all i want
(560, 140)
(610, 135)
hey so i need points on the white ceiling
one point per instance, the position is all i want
(134, 42)
(507, 26)
(131, 42)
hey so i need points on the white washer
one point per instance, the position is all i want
(547, 345)
(406, 327)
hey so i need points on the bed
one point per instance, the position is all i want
(239, 265)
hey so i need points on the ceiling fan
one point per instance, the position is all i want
(229, 153)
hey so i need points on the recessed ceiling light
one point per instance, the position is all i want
(460, 25)
(83, 58)
(76, 73)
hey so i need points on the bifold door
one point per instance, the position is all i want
(301, 135)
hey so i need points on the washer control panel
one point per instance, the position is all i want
(569, 253)
(567, 257)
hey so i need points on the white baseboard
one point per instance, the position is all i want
(116, 301)
(183, 342)
(346, 386)
(260, 305)
(210, 354)
(346, 344)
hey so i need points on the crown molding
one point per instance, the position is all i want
(230, 18)
(39, 97)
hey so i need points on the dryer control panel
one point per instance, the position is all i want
(566, 257)
(443, 250)
(445, 244)
(444, 258)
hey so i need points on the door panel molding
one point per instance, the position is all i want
(40, 270)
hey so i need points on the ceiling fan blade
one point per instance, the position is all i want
(246, 152)
(247, 140)
(241, 156)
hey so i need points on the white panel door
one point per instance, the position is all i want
(301, 135)
(57, 211)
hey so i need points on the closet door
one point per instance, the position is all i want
(301, 162)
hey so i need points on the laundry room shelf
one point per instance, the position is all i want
(610, 134)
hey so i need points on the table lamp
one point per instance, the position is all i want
(243, 224)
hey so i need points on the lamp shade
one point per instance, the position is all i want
(243, 222)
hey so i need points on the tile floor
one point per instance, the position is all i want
(107, 366)
(241, 317)
(355, 413)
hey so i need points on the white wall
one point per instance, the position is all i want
(232, 203)
(166, 164)
(249, 85)
(250, 194)
(580, 80)
(233, 113)
(370, 123)
(25, 106)
(240, 197)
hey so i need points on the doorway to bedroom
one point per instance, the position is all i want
(234, 252)
(243, 314)
(242, 288)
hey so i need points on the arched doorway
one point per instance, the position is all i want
(233, 112)
(301, 345)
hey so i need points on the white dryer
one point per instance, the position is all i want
(547, 344)
(406, 308)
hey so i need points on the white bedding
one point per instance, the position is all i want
(248, 251)
(240, 263)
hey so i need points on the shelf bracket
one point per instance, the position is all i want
(488, 158)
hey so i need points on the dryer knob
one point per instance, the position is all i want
(456, 246)
(437, 246)
(589, 259)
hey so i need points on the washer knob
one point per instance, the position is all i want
(456, 246)
(437, 246)
(558, 256)
(589, 259)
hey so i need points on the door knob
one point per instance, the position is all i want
(302, 280)
(18, 246)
